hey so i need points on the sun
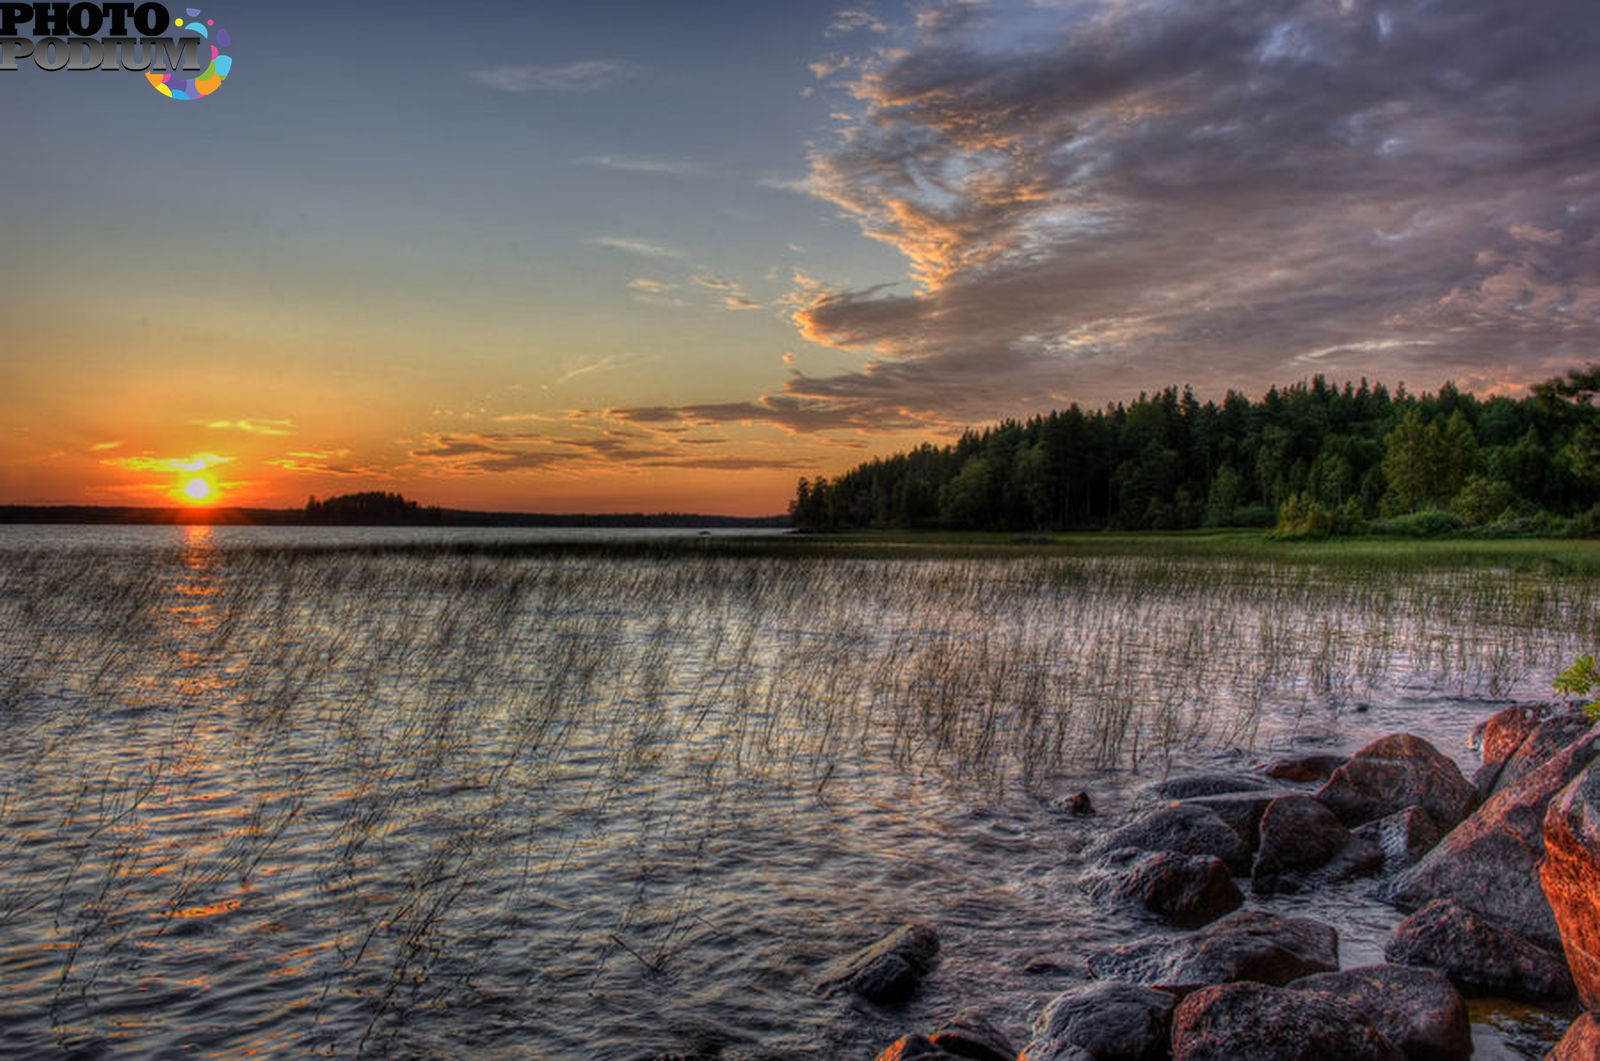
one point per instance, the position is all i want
(198, 490)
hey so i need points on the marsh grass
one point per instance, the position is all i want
(402, 762)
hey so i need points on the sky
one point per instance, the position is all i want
(670, 256)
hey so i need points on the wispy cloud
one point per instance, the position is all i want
(625, 164)
(643, 248)
(495, 453)
(589, 75)
(854, 20)
(250, 426)
(196, 462)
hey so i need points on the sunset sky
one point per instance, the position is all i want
(606, 256)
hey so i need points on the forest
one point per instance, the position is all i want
(1311, 459)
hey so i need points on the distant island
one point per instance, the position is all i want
(368, 509)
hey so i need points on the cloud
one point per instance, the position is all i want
(624, 164)
(491, 453)
(1104, 196)
(318, 462)
(589, 75)
(196, 462)
(253, 427)
(101, 447)
(853, 20)
(643, 248)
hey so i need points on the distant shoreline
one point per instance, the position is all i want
(294, 517)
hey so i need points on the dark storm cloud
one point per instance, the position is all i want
(1101, 197)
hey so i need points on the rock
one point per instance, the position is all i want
(1393, 773)
(1306, 767)
(1581, 1043)
(1478, 956)
(1303, 842)
(1546, 740)
(1045, 1050)
(1418, 1010)
(1107, 1021)
(1570, 875)
(1247, 945)
(1254, 1022)
(1403, 837)
(1497, 736)
(1187, 786)
(970, 1035)
(1078, 804)
(1242, 811)
(1181, 827)
(887, 971)
(913, 1048)
(1489, 862)
(1186, 890)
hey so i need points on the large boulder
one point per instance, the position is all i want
(1396, 772)
(1247, 945)
(1185, 890)
(1581, 1043)
(1303, 842)
(1404, 837)
(1418, 1010)
(888, 970)
(1241, 810)
(1489, 863)
(1181, 827)
(1570, 875)
(1254, 1022)
(1542, 743)
(1107, 1021)
(1478, 956)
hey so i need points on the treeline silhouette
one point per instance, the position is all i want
(1312, 458)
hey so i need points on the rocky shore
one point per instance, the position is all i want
(1499, 873)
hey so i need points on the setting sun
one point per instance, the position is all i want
(197, 490)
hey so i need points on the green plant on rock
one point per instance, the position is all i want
(1578, 681)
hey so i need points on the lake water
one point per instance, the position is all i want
(447, 792)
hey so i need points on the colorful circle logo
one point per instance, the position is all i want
(168, 84)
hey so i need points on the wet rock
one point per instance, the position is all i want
(1078, 804)
(1303, 843)
(1213, 783)
(1242, 811)
(1107, 1021)
(1393, 773)
(1306, 767)
(1254, 1022)
(1478, 956)
(1581, 1043)
(971, 1035)
(1181, 827)
(913, 1048)
(1570, 875)
(1489, 862)
(1247, 945)
(1418, 1010)
(1542, 744)
(887, 971)
(1404, 837)
(1185, 890)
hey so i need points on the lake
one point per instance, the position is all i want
(602, 794)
